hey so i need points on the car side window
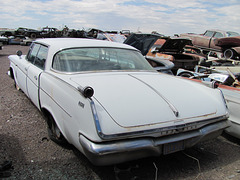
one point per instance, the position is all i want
(37, 55)
(33, 52)
(99, 59)
(218, 35)
(209, 33)
(41, 57)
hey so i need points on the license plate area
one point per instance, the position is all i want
(173, 147)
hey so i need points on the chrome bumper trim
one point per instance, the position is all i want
(114, 152)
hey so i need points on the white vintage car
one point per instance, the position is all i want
(106, 100)
(232, 96)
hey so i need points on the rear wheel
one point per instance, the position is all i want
(228, 53)
(33, 36)
(55, 133)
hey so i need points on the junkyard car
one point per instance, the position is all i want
(106, 100)
(229, 85)
(165, 48)
(3, 40)
(217, 40)
(232, 96)
(26, 42)
(230, 47)
(115, 37)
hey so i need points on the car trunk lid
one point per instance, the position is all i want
(146, 99)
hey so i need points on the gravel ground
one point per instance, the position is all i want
(25, 143)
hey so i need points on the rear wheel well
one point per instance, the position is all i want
(229, 53)
(46, 114)
(54, 132)
(11, 73)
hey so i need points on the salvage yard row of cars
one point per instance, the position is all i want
(25, 36)
(117, 102)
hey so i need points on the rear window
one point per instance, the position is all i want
(232, 34)
(99, 59)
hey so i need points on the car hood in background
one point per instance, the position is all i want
(142, 42)
(139, 99)
(175, 44)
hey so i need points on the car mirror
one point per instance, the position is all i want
(19, 53)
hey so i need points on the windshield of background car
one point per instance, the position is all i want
(99, 59)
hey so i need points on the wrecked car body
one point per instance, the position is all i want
(232, 96)
(160, 65)
(3, 40)
(49, 32)
(114, 37)
(26, 42)
(230, 47)
(222, 75)
(165, 48)
(32, 33)
(216, 40)
(229, 83)
(174, 48)
(106, 100)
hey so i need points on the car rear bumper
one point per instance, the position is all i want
(114, 152)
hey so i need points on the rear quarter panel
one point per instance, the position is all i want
(63, 102)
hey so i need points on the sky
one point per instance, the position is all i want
(166, 17)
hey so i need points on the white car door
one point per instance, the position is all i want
(21, 74)
(34, 72)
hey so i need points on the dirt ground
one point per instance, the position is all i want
(25, 143)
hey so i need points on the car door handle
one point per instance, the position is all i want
(25, 69)
(35, 77)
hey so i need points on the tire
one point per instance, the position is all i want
(33, 36)
(186, 74)
(228, 54)
(54, 132)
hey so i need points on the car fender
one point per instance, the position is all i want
(70, 109)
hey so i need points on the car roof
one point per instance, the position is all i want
(222, 31)
(63, 43)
